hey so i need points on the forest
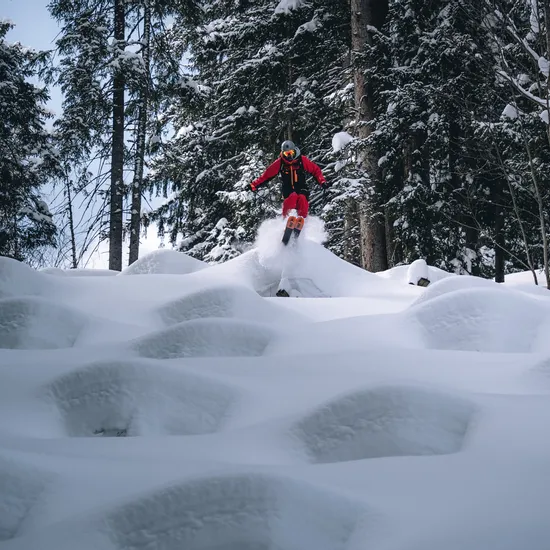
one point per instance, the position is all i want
(429, 118)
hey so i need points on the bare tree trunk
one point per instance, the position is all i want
(518, 216)
(365, 13)
(74, 259)
(137, 184)
(351, 250)
(542, 214)
(499, 243)
(117, 150)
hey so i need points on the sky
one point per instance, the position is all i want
(35, 28)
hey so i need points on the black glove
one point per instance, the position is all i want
(325, 184)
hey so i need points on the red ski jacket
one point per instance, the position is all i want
(293, 175)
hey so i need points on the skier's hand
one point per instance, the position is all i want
(253, 188)
(324, 184)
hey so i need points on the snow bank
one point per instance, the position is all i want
(205, 338)
(18, 279)
(454, 283)
(79, 272)
(411, 273)
(236, 512)
(383, 422)
(482, 319)
(36, 323)
(20, 488)
(119, 398)
(366, 332)
(226, 301)
(164, 262)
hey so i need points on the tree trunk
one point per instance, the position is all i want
(137, 184)
(117, 150)
(351, 250)
(74, 259)
(365, 13)
(499, 244)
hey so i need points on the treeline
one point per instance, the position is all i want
(440, 110)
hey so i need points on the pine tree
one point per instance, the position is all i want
(27, 159)
(438, 90)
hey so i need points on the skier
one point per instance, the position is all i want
(292, 166)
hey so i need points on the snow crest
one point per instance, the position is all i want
(163, 261)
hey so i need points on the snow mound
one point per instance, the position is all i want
(385, 421)
(236, 512)
(78, 272)
(482, 319)
(20, 489)
(36, 323)
(170, 262)
(411, 273)
(454, 283)
(222, 301)
(133, 398)
(18, 279)
(205, 338)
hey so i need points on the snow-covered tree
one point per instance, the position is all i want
(27, 159)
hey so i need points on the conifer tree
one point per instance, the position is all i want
(27, 158)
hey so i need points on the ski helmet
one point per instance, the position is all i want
(289, 150)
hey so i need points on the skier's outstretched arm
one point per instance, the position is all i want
(269, 174)
(314, 170)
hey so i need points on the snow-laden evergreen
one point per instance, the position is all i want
(27, 156)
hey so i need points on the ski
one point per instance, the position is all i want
(299, 226)
(290, 225)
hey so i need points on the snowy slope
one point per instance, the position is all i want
(367, 413)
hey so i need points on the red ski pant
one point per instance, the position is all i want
(297, 202)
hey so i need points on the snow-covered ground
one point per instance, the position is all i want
(366, 413)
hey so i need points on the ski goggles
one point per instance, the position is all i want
(289, 154)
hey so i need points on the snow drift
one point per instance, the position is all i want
(205, 338)
(37, 323)
(228, 301)
(483, 319)
(385, 421)
(18, 279)
(130, 398)
(237, 512)
(21, 486)
(165, 262)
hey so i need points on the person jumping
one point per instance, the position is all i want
(292, 166)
